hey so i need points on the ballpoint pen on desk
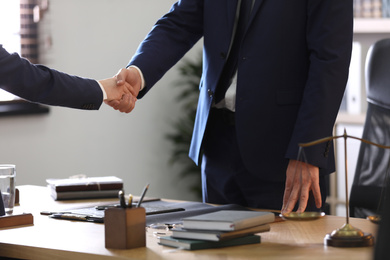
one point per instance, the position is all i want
(143, 195)
(130, 202)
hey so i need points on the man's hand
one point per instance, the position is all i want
(131, 80)
(300, 179)
(118, 93)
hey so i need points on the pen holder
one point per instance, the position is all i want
(124, 228)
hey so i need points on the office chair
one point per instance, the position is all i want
(373, 162)
(381, 251)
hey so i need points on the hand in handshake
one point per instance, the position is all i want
(122, 90)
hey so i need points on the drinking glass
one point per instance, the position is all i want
(7, 186)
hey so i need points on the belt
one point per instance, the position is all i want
(227, 116)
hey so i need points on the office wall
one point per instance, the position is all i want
(95, 38)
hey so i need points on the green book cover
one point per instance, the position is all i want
(190, 244)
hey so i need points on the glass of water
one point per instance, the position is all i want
(7, 186)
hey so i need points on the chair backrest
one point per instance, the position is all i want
(373, 162)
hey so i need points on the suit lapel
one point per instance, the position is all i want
(255, 10)
(232, 7)
(231, 11)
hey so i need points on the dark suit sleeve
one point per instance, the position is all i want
(329, 41)
(171, 37)
(40, 84)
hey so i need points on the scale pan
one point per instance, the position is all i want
(374, 219)
(309, 215)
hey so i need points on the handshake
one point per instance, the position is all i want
(122, 89)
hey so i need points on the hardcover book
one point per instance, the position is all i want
(213, 235)
(90, 187)
(189, 244)
(227, 220)
(86, 184)
(92, 194)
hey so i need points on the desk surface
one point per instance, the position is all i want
(62, 239)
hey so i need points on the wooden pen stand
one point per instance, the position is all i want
(124, 228)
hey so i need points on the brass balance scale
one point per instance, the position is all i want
(347, 235)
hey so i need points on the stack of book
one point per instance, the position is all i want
(219, 229)
(82, 188)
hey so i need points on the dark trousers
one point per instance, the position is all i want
(225, 179)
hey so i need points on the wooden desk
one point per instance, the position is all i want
(62, 239)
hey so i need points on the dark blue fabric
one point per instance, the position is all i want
(226, 180)
(291, 77)
(231, 63)
(41, 84)
(290, 81)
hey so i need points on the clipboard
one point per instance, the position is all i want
(96, 213)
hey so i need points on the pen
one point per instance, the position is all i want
(76, 217)
(130, 202)
(143, 195)
(48, 213)
(69, 216)
(122, 201)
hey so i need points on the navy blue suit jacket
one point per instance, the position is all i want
(292, 72)
(40, 84)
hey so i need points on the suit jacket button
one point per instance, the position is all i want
(210, 92)
(223, 55)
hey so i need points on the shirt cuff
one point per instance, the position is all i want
(104, 92)
(142, 76)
